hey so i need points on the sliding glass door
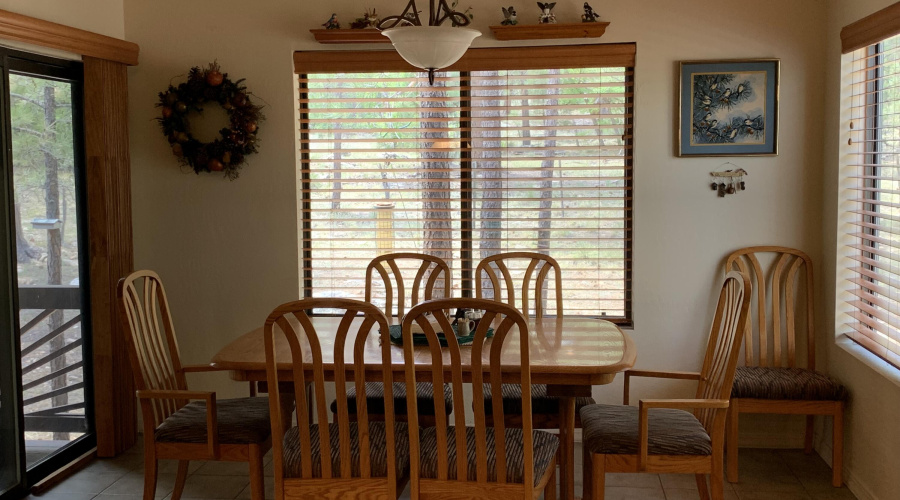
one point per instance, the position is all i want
(46, 241)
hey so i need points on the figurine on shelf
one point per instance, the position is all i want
(332, 24)
(547, 16)
(509, 16)
(368, 20)
(589, 15)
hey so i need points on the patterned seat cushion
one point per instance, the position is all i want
(545, 445)
(757, 382)
(613, 430)
(541, 403)
(377, 450)
(375, 398)
(240, 421)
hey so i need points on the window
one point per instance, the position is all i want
(510, 150)
(871, 195)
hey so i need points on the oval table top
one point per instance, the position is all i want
(571, 351)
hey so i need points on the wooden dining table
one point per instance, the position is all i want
(568, 354)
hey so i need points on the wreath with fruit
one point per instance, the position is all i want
(226, 153)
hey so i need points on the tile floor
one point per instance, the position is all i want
(765, 474)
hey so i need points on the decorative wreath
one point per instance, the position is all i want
(227, 153)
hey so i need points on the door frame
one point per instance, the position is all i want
(39, 66)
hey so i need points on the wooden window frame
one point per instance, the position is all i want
(484, 59)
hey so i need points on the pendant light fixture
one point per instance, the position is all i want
(430, 47)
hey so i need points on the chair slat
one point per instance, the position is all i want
(394, 280)
(776, 285)
(537, 268)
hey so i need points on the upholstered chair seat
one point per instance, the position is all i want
(545, 446)
(759, 382)
(240, 421)
(613, 430)
(377, 447)
(375, 399)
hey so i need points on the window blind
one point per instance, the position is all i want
(871, 195)
(488, 160)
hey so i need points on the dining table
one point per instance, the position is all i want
(569, 354)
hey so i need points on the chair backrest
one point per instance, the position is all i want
(784, 305)
(152, 347)
(510, 327)
(489, 267)
(434, 271)
(290, 322)
(723, 348)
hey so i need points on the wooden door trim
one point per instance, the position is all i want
(57, 36)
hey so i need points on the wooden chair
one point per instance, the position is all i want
(659, 436)
(429, 271)
(545, 407)
(366, 459)
(234, 430)
(774, 378)
(456, 461)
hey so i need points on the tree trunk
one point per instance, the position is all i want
(487, 171)
(54, 249)
(25, 251)
(437, 226)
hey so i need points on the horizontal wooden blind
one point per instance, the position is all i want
(486, 161)
(872, 197)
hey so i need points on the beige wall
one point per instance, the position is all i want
(871, 456)
(228, 250)
(100, 16)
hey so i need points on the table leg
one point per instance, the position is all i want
(567, 448)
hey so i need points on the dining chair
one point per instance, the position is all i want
(432, 274)
(503, 274)
(775, 379)
(181, 424)
(477, 461)
(659, 435)
(366, 459)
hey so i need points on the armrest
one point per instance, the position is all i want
(676, 404)
(212, 426)
(200, 368)
(656, 374)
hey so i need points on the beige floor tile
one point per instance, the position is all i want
(87, 481)
(213, 487)
(270, 490)
(171, 466)
(133, 484)
(680, 481)
(769, 495)
(625, 493)
(632, 480)
(692, 494)
(224, 469)
(58, 494)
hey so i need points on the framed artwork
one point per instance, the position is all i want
(728, 108)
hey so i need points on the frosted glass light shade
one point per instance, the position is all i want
(431, 47)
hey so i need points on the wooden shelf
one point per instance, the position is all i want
(349, 36)
(544, 31)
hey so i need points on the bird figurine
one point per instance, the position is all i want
(547, 16)
(332, 23)
(509, 16)
(589, 15)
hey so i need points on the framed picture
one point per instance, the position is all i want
(728, 108)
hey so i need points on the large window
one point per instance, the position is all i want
(497, 156)
(871, 194)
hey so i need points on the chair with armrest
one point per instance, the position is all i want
(181, 424)
(479, 461)
(365, 459)
(432, 277)
(774, 378)
(660, 435)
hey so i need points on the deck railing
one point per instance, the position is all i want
(51, 343)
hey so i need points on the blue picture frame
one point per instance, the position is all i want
(728, 108)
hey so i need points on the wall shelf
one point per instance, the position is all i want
(349, 36)
(545, 31)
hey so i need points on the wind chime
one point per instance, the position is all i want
(727, 182)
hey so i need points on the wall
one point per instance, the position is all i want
(228, 250)
(870, 453)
